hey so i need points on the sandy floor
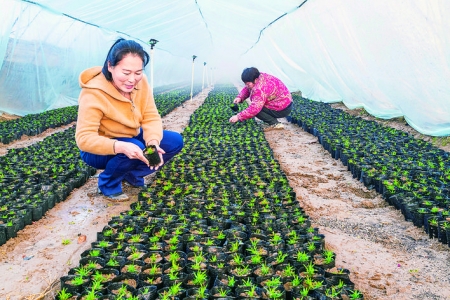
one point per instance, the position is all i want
(388, 257)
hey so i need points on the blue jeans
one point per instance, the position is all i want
(119, 167)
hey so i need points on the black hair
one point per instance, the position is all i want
(250, 74)
(119, 50)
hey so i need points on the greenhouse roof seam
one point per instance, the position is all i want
(76, 19)
(206, 24)
(286, 13)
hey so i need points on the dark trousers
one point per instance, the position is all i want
(119, 167)
(270, 116)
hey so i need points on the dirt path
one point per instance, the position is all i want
(388, 257)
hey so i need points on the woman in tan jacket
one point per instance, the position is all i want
(118, 118)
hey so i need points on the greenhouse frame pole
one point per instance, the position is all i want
(152, 43)
(192, 80)
(151, 70)
(203, 79)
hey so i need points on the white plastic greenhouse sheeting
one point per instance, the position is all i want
(390, 57)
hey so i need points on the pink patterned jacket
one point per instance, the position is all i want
(268, 92)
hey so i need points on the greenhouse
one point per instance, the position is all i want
(224, 150)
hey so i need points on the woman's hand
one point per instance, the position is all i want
(234, 119)
(131, 150)
(237, 100)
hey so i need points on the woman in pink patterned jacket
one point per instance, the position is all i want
(269, 98)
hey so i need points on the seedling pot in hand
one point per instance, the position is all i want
(152, 155)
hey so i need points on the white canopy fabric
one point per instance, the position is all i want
(390, 57)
